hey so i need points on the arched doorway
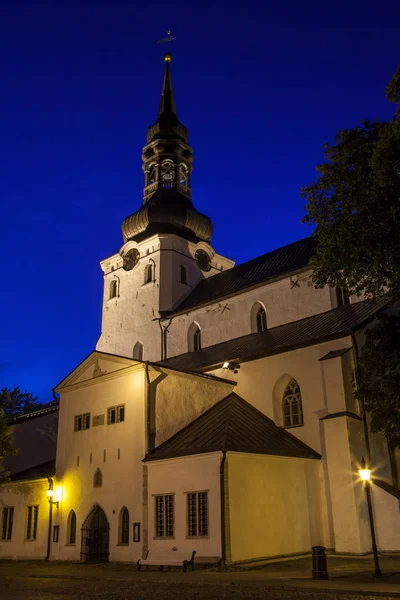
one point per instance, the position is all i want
(95, 536)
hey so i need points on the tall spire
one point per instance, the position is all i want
(167, 102)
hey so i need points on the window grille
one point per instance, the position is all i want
(292, 405)
(197, 340)
(71, 528)
(124, 526)
(164, 508)
(116, 414)
(7, 523)
(31, 522)
(82, 422)
(197, 514)
(261, 320)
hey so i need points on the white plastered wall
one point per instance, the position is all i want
(179, 476)
(20, 495)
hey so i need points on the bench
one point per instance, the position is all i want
(167, 558)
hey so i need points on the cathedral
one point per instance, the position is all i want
(216, 415)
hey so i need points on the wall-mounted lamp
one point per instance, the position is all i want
(232, 366)
(50, 493)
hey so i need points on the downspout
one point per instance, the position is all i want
(222, 503)
(362, 406)
(147, 394)
(49, 532)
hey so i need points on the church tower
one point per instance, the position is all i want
(167, 243)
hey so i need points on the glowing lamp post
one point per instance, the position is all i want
(365, 474)
(50, 493)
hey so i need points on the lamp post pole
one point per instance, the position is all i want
(365, 474)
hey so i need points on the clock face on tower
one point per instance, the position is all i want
(131, 259)
(203, 260)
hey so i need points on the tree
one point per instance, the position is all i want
(14, 402)
(6, 446)
(355, 207)
(379, 388)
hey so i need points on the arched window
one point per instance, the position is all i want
(123, 535)
(98, 479)
(71, 528)
(261, 320)
(138, 351)
(292, 405)
(148, 273)
(194, 338)
(183, 275)
(113, 288)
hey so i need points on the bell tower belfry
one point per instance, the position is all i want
(166, 249)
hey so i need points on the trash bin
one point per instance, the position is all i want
(319, 566)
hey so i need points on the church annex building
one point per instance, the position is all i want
(217, 412)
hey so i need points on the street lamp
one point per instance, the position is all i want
(365, 474)
(50, 493)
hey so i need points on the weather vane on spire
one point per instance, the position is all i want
(169, 38)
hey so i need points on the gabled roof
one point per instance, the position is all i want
(326, 326)
(274, 264)
(232, 425)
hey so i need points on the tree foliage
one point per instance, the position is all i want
(6, 446)
(14, 402)
(355, 207)
(379, 389)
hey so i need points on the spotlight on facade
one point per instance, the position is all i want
(50, 493)
(232, 366)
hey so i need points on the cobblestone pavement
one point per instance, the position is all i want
(67, 581)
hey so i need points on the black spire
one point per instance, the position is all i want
(167, 102)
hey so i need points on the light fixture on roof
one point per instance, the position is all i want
(232, 366)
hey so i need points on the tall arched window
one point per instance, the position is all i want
(194, 338)
(113, 288)
(98, 478)
(261, 320)
(138, 351)
(183, 274)
(148, 273)
(71, 528)
(123, 534)
(292, 405)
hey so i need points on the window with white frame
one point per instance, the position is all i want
(32, 514)
(116, 414)
(197, 514)
(7, 523)
(292, 405)
(164, 515)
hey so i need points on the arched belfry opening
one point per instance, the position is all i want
(95, 536)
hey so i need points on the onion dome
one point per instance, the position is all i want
(167, 164)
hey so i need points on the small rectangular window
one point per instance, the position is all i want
(82, 422)
(7, 523)
(31, 522)
(164, 515)
(116, 414)
(56, 532)
(197, 514)
(136, 532)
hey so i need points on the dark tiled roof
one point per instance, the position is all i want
(48, 469)
(297, 334)
(268, 266)
(233, 425)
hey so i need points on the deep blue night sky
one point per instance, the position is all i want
(261, 87)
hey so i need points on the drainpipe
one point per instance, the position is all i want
(222, 502)
(49, 532)
(363, 413)
(147, 392)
